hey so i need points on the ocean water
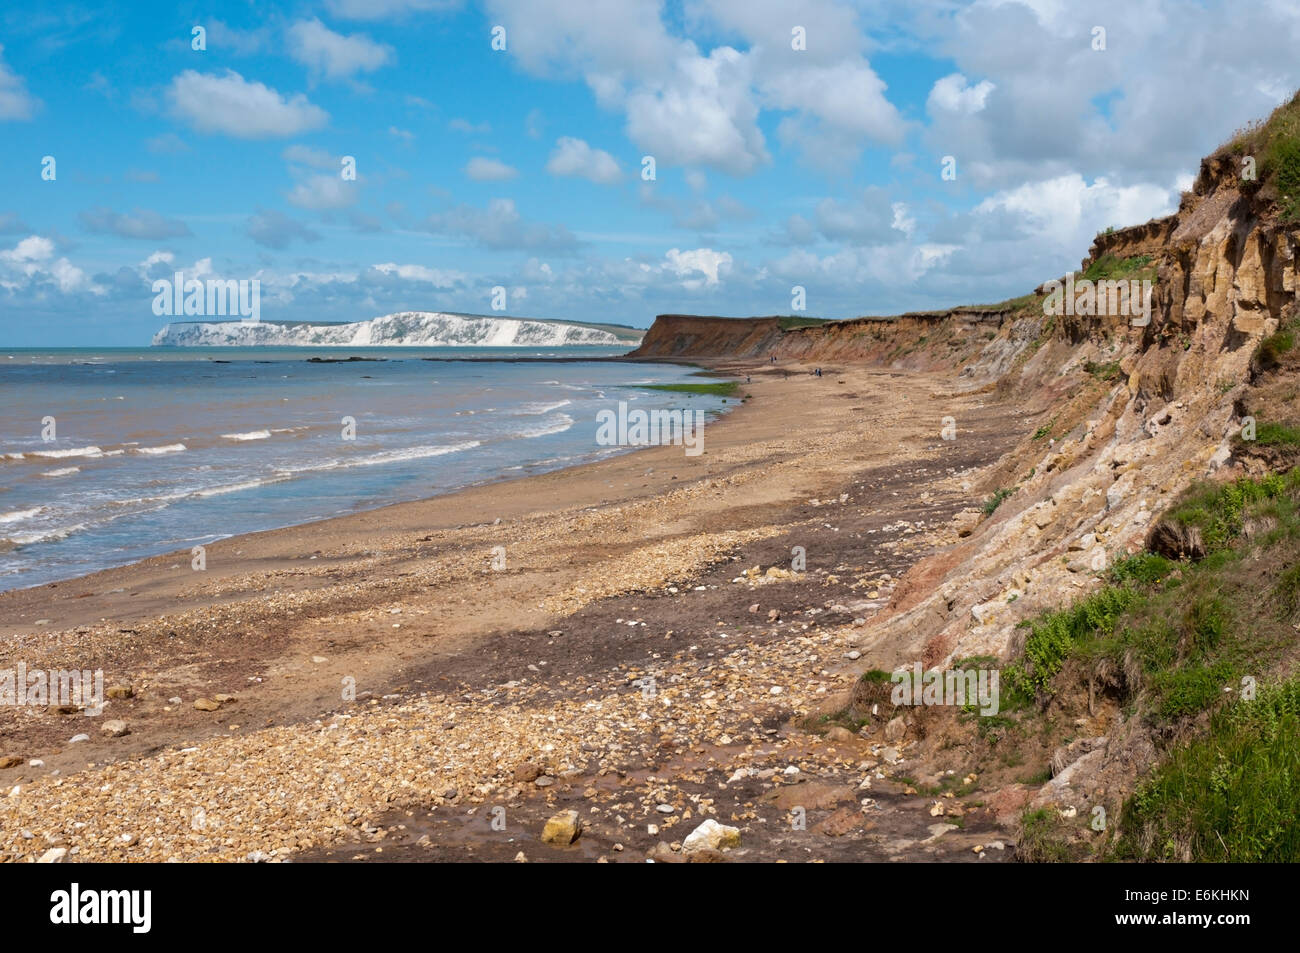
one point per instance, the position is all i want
(163, 449)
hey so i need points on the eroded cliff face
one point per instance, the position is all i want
(1117, 421)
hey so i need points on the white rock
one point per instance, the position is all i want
(54, 855)
(711, 836)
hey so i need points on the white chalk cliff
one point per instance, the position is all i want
(404, 329)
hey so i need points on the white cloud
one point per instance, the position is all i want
(334, 55)
(955, 94)
(15, 101)
(30, 249)
(233, 106)
(483, 169)
(574, 157)
(848, 96)
(703, 261)
(1068, 212)
(702, 114)
(434, 276)
(31, 258)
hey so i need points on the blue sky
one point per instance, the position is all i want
(521, 168)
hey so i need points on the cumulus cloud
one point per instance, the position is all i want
(702, 261)
(1068, 211)
(483, 169)
(955, 94)
(30, 249)
(30, 266)
(230, 105)
(574, 157)
(703, 114)
(334, 55)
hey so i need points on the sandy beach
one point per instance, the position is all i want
(374, 668)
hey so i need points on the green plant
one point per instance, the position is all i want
(1102, 372)
(1232, 795)
(993, 502)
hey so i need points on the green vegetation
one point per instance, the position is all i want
(1022, 303)
(1218, 511)
(994, 501)
(1045, 838)
(1109, 267)
(1173, 643)
(1232, 795)
(1054, 635)
(1102, 372)
(1282, 164)
(716, 389)
(1273, 434)
(1269, 353)
(791, 322)
(1044, 430)
(1275, 145)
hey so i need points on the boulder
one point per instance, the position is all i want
(562, 829)
(711, 836)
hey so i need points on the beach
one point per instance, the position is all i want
(644, 611)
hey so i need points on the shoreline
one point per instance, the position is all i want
(404, 600)
(357, 509)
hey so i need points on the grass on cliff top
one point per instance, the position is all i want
(1173, 641)
(1275, 145)
(791, 322)
(715, 389)
(1110, 267)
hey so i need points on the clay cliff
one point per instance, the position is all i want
(1120, 420)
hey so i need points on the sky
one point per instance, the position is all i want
(509, 144)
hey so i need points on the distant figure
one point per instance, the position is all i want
(773, 358)
(746, 378)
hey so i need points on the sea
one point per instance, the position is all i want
(110, 455)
